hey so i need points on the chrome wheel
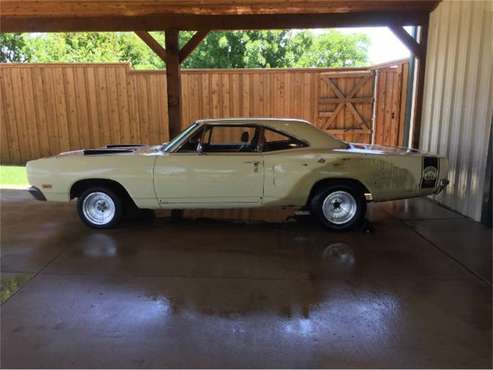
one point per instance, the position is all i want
(339, 207)
(98, 208)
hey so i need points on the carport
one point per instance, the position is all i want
(266, 288)
(175, 16)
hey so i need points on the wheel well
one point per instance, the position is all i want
(82, 185)
(335, 181)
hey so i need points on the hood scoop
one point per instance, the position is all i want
(113, 146)
(106, 151)
(113, 149)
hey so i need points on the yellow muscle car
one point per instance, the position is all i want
(232, 163)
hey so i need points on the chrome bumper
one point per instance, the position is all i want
(36, 193)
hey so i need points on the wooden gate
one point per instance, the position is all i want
(345, 104)
(391, 96)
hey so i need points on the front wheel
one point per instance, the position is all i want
(339, 207)
(100, 208)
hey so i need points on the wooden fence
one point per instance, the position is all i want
(49, 108)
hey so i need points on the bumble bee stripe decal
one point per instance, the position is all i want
(429, 175)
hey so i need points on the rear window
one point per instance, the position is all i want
(274, 140)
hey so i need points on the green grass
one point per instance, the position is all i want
(13, 175)
(11, 283)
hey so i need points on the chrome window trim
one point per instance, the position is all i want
(178, 146)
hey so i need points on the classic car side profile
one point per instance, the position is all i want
(235, 163)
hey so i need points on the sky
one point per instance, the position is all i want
(384, 46)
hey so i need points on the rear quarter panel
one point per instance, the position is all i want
(290, 175)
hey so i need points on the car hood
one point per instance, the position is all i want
(114, 149)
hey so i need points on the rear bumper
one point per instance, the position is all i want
(36, 193)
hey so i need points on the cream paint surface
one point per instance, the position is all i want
(156, 179)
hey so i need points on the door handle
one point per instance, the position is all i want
(255, 165)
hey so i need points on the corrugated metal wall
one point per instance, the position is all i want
(458, 98)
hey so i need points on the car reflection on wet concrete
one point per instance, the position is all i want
(235, 289)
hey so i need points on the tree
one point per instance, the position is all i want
(238, 49)
(75, 47)
(245, 49)
(137, 53)
(336, 49)
(13, 48)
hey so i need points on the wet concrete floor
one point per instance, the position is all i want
(245, 289)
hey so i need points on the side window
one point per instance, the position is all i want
(191, 143)
(274, 140)
(230, 139)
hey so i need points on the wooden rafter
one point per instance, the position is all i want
(152, 43)
(206, 22)
(129, 8)
(145, 15)
(173, 57)
(408, 40)
(192, 44)
(183, 53)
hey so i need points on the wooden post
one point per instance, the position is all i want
(173, 81)
(173, 57)
(420, 85)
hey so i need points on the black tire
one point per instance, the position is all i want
(317, 206)
(117, 203)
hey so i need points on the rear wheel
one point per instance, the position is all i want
(100, 208)
(339, 207)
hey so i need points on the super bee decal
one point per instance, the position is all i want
(430, 172)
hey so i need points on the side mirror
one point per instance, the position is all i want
(200, 148)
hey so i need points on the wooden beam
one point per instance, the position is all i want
(153, 44)
(100, 23)
(83, 8)
(192, 44)
(173, 81)
(420, 85)
(415, 48)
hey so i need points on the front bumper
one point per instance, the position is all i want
(442, 184)
(36, 193)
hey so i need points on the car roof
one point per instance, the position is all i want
(247, 120)
(297, 128)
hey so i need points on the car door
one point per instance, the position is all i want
(287, 165)
(214, 168)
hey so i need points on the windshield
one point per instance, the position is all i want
(167, 147)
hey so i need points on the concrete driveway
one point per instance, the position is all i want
(245, 289)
